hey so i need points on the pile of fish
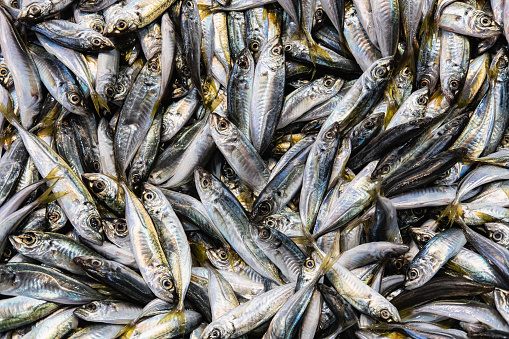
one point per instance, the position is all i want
(254, 169)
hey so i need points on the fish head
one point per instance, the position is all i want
(162, 283)
(218, 257)
(266, 237)
(417, 275)
(96, 41)
(153, 199)
(100, 185)
(452, 84)
(379, 73)
(245, 62)
(73, 98)
(220, 329)
(499, 68)
(263, 208)
(91, 311)
(91, 264)
(115, 228)
(90, 224)
(206, 183)
(56, 217)
(27, 243)
(382, 309)
(5, 76)
(222, 127)
(122, 23)
(484, 24)
(35, 10)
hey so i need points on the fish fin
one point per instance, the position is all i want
(180, 314)
(331, 257)
(199, 253)
(126, 331)
(52, 174)
(48, 196)
(98, 102)
(452, 211)
(10, 116)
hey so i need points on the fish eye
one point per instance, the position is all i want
(426, 238)
(381, 71)
(4, 72)
(96, 42)
(98, 186)
(96, 166)
(222, 125)
(264, 208)
(205, 89)
(136, 178)
(497, 236)
(288, 48)
(154, 67)
(423, 100)
(98, 28)
(223, 255)
(7, 253)
(264, 233)
(270, 222)
(424, 83)
(91, 307)
(243, 63)
(454, 85)
(406, 71)
(503, 62)
(418, 211)
(310, 263)
(186, 71)
(29, 239)
(328, 82)
(109, 132)
(189, 4)
(109, 92)
(121, 25)
(229, 172)
(94, 222)
(329, 135)
(148, 196)
(398, 264)
(120, 227)
(385, 314)
(215, 334)
(167, 283)
(485, 21)
(276, 50)
(254, 46)
(319, 14)
(15, 4)
(74, 98)
(53, 216)
(205, 182)
(120, 89)
(34, 10)
(369, 124)
(96, 262)
(413, 274)
(386, 168)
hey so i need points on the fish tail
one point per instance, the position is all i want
(98, 102)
